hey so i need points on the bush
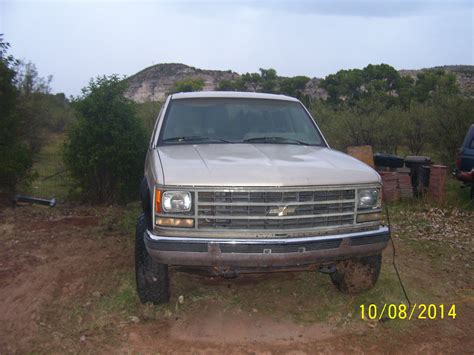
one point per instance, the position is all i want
(369, 123)
(188, 85)
(453, 115)
(226, 85)
(105, 148)
(15, 158)
(147, 113)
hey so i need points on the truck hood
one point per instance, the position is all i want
(260, 165)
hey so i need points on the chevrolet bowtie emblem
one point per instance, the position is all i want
(282, 210)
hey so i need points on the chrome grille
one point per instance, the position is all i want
(301, 210)
(274, 210)
(274, 196)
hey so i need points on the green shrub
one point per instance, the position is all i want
(147, 112)
(105, 148)
(15, 158)
(188, 85)
(453, 116)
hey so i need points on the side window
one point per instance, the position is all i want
(472, 144)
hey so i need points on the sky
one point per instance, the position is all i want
(75, 41)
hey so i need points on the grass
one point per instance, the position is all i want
(458, 195)
(52, 180)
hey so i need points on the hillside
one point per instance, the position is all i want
(464, 75)
(155, 82)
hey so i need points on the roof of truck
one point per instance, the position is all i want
(231, 94)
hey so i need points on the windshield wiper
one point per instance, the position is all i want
(274, 139)
(194, 139)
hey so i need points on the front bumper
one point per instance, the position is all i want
(465, 176)
(264, 253)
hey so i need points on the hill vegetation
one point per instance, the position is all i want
(155, 82)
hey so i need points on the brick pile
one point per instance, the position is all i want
(391, 189)
(404, 183)
(364, 153)
(437, 182)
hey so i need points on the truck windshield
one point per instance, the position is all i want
(236, 120)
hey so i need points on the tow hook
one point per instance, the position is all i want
(229, 275)
(327, 269)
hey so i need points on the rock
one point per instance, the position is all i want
(134, 319)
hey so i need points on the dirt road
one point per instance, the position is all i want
(66, 284)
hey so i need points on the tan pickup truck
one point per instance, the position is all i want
(245, 182)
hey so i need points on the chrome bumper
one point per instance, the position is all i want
(264, 253)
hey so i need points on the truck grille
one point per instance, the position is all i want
(274, 210)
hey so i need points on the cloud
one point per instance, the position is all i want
(357, 8)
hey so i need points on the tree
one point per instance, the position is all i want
(405, 91)
(147, 112)
(268, 80)
(105, 148)
(382, 82)
(294, 86)
(416, 125)
(226, 85)
(59, 112)
(381, 77)
(35, 105)
(15, 158)
(29, 81)
(251, 80)
(345, 85)
(188, 85)
(367, 123)
(435, 82)
(452, 117)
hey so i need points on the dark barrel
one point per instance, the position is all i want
(420, 173)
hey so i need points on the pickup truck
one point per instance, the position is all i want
(465, 161)
(246, 183)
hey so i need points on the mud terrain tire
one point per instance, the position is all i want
(357, 275)
(152, 278)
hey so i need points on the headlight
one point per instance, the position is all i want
(176, 201)
(368, 199)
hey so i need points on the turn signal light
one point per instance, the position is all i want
(369, 217)
(157, 201)
(175, 222)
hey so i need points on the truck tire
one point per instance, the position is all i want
(358, 274)
(152, 277)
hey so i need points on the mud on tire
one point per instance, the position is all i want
(152, 278)
(358, 274)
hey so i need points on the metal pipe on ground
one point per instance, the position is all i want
(35, 200)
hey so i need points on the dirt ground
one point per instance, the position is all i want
(67, 285)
